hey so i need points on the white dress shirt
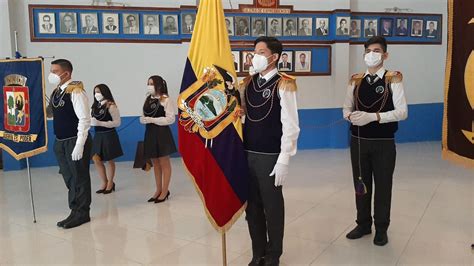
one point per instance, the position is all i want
(81, 107)
(116, 120)
(400, 111)
(170, 115)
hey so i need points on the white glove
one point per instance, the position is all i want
(94, 122)
(143, 120)
(360, 118)
(280, 171)
(78, 148)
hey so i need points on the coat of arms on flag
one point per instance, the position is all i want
(16, 109)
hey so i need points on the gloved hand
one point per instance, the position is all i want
(143, 120)
(361, 118)
(78, 148)
(280, 171)
(94, 122)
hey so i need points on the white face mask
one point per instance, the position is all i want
(259, 64)
(150, 89)
(54, 79)
(373, 59)
(98, 96)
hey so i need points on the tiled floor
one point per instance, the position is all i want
(432, 218)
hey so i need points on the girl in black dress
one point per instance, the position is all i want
(158, 114)
(106, 145)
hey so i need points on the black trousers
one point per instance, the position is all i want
(265, 211)
(377, 162)
(75, 173)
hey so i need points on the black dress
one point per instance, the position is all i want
(158, 141)
(106, 145)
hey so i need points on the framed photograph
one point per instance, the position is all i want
(289, 27)
(431, 29)
(110, 23)
(342, 26)
(229, 24)
(246, 60)
(68, 22)
(386, 27)
(47, 23)
(130, 23)
(187, 23)
(242, 26)
(402, 27)
(305, 26)
(355, 28)
(259, 26)
(322, 26)
(236, 58)
(89, 23)
(302, 61)
(151, 24)
(274, 28)
(370, 28)
(416, 28)
(285, 64)
(170, 24)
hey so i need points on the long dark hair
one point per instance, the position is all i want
(104, 89)
(161, 88)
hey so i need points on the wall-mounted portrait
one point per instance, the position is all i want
(305, 26)
(274, 28)
(246, 60)
(68, 23)
(151, 24)
(242, 26)
(110, 23)
(370, 28)
(289, 27)
(431, 29)
(386, 26)
(236, 58)
(130, 23)
(47, 23)
(402, 27)
(89, 23)
(187, 23)
(322, 26)
(229, 25)
(416, 28)
(303, 61)
(355, 28)
(170, 24)
(286, 62)
(258, 26)
(342, 26)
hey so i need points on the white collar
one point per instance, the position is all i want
(379, 72)
(270, 74)
(64, 86)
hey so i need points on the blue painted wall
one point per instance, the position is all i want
(423, 124)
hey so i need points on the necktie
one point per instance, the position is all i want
(149, 29)
(372, 79)
(261, 81)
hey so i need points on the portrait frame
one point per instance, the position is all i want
(126, 29)
(95, 23)
(184, 28)
(412, 29)
(63, 27)
(155, 28)
(300, 26)
(105, 28)
(239, 30)
(382, 27)
(427, 29)
(279, 30)
(291, 67)
(170, 31)
(367, 33)
(317, 27)
(236, 57)
(286, 32)
(244, 61)
(264, 25)
(339, 31)
(299, 68)
(358, 29)
(230, 29)
(52, 21)
(398, 30)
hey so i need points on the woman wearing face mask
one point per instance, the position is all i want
(158, 114)
(106, 145)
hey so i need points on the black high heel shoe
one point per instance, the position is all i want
(100, 191)
(158, 200)
(110, 190)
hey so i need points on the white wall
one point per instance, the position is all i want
(5, 39)
(125, 67)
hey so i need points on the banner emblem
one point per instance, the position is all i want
(16, 107)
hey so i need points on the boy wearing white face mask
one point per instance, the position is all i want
(374, 104)
(270, 136)
(72, 147)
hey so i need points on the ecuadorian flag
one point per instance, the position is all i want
(209, 131)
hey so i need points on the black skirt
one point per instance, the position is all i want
(106, 146)
(158, 141)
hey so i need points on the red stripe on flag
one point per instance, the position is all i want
(219, 198)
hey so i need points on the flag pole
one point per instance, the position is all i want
(31, 189)
(224, 250)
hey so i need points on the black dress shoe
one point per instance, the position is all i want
(158, 200)
(76, 221)
(257, 262)
(381, 238)
(61, 223)
(271, 262)
(100, 191)
(152, 199)
(358, 232)
(108, 191)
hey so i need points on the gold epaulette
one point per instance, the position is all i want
(75, 86)
(394, 76)
(287, 82)
(245, 82)
(356, 79)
